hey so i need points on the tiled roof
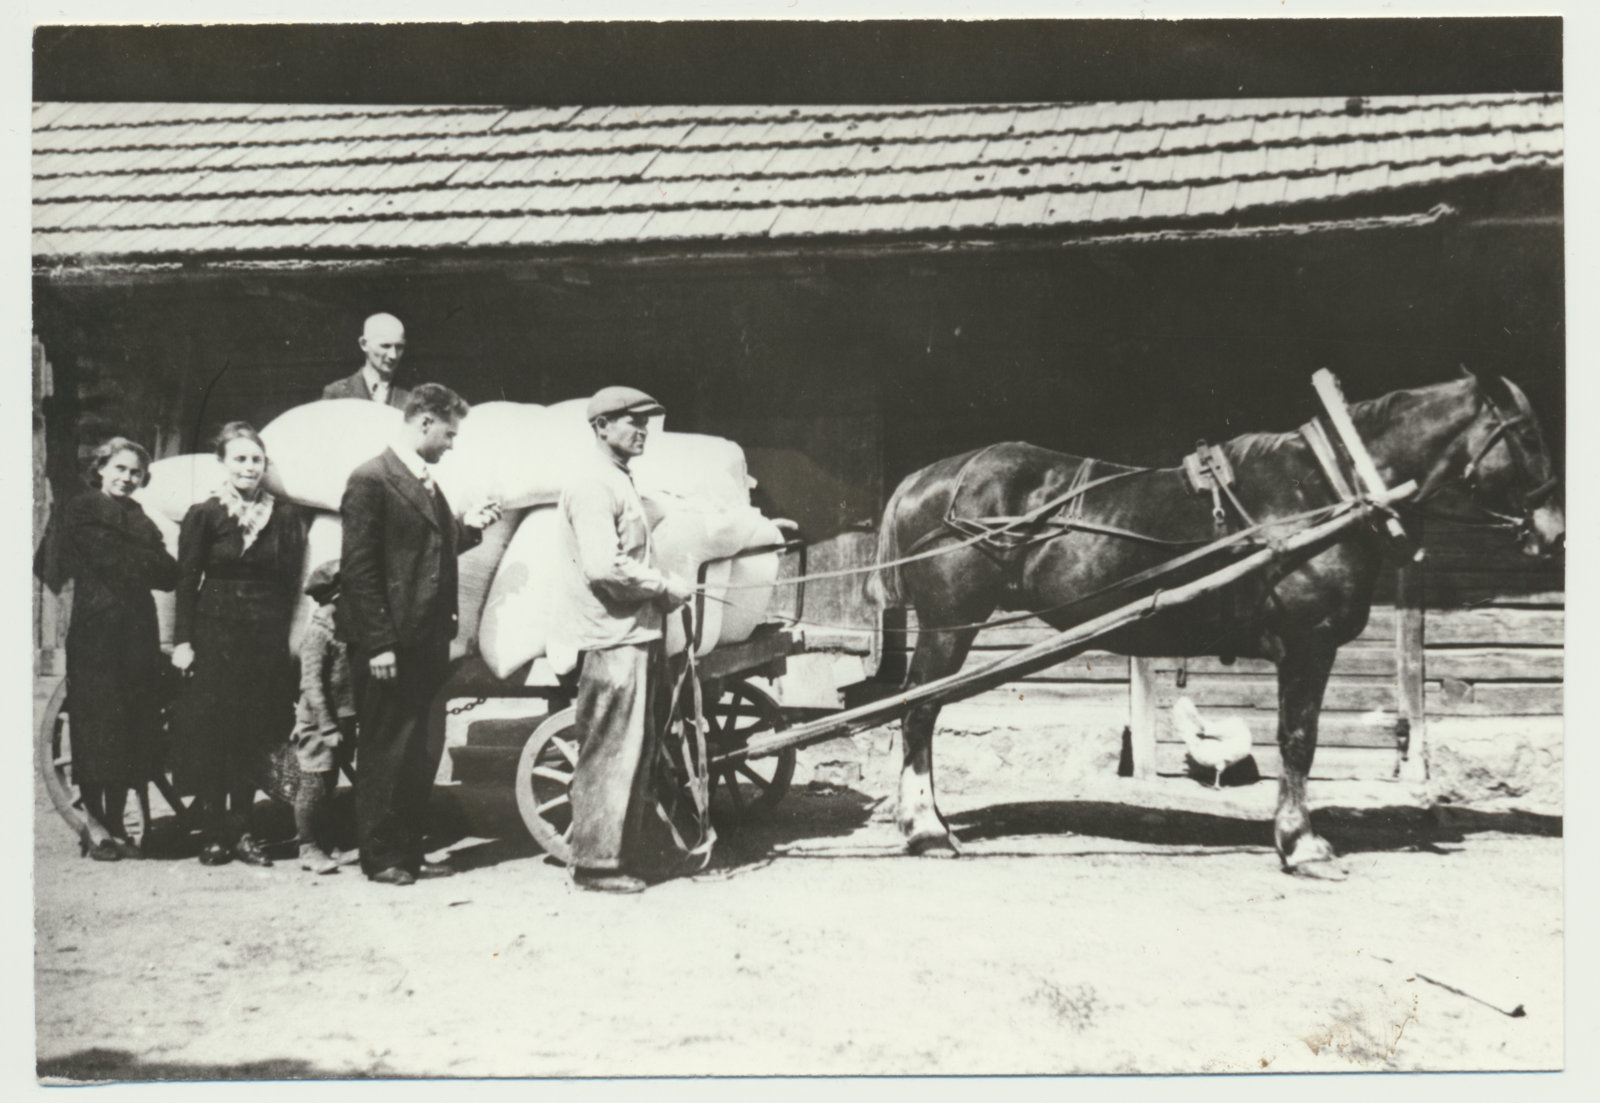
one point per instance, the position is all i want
(156, 180)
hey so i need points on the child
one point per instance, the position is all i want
(325, 721)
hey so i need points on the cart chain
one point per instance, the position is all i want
(468, 707)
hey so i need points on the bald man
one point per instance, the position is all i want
(383, 343)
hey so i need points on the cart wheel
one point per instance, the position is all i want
(752, 788)
(54, 752)
(544, 782)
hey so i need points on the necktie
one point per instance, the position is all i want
(380, 391)
(427, 480)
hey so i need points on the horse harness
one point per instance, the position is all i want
(1207, 469)
(1502, 431)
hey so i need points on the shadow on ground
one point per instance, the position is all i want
(482, 827)
(1350, 830)
(99, 1065)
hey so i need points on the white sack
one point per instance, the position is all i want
(516, 616)
(312, 449)
(692, 466)
(691, 535)
(166, 601)
(499, 453)
(476, 571)
(748, 607)
(178, 482)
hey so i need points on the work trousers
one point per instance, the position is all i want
(621, 709)
(398, 754)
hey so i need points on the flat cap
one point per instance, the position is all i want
(622, 400)
(323, 582)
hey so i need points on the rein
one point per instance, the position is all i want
(1006, 534)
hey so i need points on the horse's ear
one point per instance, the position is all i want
(1519, 401)
(1467, 372)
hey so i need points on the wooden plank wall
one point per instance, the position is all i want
(1494, 627)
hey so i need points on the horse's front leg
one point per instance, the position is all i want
(924, 829)
(1302, 678)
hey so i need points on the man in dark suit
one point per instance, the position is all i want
(397, 611)
(383, 343)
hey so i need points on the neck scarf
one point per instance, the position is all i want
(251, 515)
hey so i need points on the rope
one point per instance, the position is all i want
(989, 534)
(1310, 516)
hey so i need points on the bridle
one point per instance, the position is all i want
(1521, 457)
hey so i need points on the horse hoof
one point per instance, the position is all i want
(1313, 858)
(1322, 869)
(935, 846)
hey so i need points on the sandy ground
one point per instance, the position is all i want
(1093, 926)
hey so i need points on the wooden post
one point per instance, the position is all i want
(1142, 715)
(1410, 672)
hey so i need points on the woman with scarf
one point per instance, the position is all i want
(239, 558)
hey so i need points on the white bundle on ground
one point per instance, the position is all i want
(516, 617)
(312, 449)
(178, 482)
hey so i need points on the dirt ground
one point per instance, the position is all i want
(1096, 925)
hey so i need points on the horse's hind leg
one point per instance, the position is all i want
(926, 833)
(1302, 678)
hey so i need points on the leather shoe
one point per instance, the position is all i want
(127, 849)
(248, 851)
(392, 876)
(105, 851)
(215, 854)
(435, 869)
(606, 880)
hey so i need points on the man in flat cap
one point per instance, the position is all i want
(383, 343)
(616, 601)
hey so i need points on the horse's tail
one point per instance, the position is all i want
(883, 585)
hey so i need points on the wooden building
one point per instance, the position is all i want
(848, 292)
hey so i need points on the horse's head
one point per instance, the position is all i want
(1499, 475)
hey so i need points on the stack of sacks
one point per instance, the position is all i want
(518, 453)
(523, 619)
(522, 455)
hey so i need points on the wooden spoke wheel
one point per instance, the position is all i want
(53, 750)
(740, 792)
(747, 790)
(544, 783)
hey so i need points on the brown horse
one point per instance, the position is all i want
(1474, 451)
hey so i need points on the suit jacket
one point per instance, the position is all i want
(355, 386)
(397, 570)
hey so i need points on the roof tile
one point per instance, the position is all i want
(288, 168)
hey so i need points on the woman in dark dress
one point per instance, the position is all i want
(239, 558)
(116, 557)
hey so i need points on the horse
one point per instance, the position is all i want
(1018, 527)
